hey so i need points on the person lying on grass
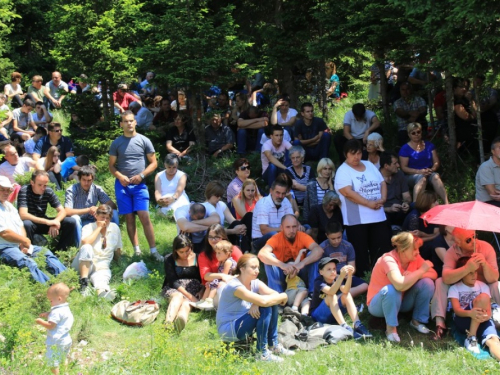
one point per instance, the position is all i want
(471, 302)
(329, 307)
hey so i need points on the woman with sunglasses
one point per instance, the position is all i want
(208, 263)
(242, 169)
(401, 281)
(419, 161)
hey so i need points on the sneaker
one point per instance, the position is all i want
(157, 256)
(269, 357)
(495, 316)
(420, 328)
(361, 329)
(108, 295)
(279, 349)
(138, 252)
(207, 305)
(471, 344)
(84, 283)
(393, 337)
(355, 335)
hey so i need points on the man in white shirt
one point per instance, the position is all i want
(14, 165)
(488, 177)
(41, 116)
(274, 155)
(143, 116)
(55, 91)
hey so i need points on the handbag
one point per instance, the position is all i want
(138, 313)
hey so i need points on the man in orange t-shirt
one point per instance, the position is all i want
(283, 248)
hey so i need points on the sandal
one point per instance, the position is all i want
(440, 333)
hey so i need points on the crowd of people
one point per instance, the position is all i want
(318, 230)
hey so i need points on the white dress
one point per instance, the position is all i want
(168, 188)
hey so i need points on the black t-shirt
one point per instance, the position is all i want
(319, 220)
(180, 141)
(311, 131)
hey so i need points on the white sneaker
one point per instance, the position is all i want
(157, 256)
(138, 252)
(207, 305)
(279, 349)
(268, 357)
(108, 295)
(471, 344)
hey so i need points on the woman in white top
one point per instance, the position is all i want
(282, 113)
(170, 186)
(14, 91)
(363, 192)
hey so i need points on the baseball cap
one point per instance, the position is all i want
(324, 261)
(5, 182)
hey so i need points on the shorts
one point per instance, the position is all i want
(131, 198)
(485, 331)
(292, 293)
(56, 354)
(323, 314)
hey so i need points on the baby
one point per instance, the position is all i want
(58, 324)
(227, 265)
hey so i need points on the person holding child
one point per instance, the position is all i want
(227, 265)
(182, 283)
(402, 281)
(329, 306)
(247, 305)
(58, 324)
(471, 303)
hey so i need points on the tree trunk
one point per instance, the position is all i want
(451, 118)
(479, 123)
(383, 92)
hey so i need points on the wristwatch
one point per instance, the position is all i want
(142, 176)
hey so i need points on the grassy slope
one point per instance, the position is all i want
(115, 349)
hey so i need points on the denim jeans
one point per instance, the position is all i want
(273, 171)
(15, 258)
(388, 302)
(320, 151)
(266, 327)
(276, 277)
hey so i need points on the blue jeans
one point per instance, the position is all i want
(81, 223)
(276, 277)
(319, 151)
(266, 327)
(388, 302)
(273, 171)
(15, 258)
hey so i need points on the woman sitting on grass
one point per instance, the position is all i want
(247, 305)
(402, 281)
(182, 283)
(170, 186)
(52, 165)
(246, 199)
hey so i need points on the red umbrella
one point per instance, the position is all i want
(473, 215)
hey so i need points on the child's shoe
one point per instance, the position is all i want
(471, 344)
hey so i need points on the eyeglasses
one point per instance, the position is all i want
(216, 238)
(469, 240)
(416, 132)
(244, 168)
(57, 131)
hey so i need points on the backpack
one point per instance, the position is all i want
(138, 313)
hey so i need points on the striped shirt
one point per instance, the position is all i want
(37, 204)
(78, 198)
(320, 192)
(307, 175)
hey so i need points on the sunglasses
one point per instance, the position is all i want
(416, 133)
(243, 168)
(469, 240)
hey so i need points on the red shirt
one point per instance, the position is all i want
(212, 266)
(123, 101)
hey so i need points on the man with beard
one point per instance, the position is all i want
(283, 248)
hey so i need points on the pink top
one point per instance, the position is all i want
(248, 207)
(212, 266)
(386, 263)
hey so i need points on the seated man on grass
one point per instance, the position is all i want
(312, 134)
(329, 306)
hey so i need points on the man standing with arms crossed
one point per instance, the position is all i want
(131, 158)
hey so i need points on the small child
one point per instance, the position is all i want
(296, 290)
(58, 324)
(227, 265)
(29, 145)
(71, 166)
(471, 302)
(336, 247)
(327, 306)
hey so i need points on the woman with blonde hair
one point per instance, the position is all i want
(246, 199)
(317, 188)
(402, 281)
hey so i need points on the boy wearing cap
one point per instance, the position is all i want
(329, 307)
(336, 247)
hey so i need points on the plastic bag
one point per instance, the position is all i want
(136, 270)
